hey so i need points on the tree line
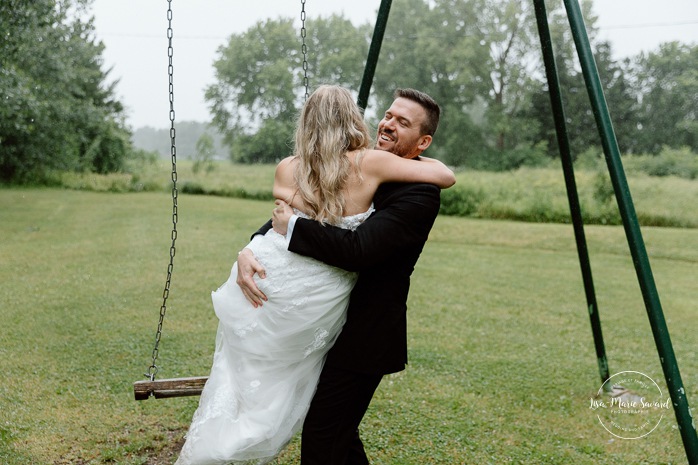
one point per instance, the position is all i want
(480, 59)
(189, 134)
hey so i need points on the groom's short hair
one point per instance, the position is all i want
(431, 122)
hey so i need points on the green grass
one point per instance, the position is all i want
(502, 364)
(527, 194)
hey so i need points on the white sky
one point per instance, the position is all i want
(134, 33)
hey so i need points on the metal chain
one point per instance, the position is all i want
(153, 369)
(304, 50)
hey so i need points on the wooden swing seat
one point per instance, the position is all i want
(164, 388)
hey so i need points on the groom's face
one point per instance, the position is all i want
(400, 130)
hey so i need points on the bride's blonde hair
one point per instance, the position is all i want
(330, 125)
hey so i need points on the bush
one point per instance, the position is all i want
(193, 188)
(524, 155)
(590, 159)
(670, 162)
(461, 201)
(603, 188)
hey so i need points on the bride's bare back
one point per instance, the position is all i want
(374, 168)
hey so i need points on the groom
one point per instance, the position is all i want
(384, 250)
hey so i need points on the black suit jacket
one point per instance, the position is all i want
(384, 250)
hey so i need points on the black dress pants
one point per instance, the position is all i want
(331, 429)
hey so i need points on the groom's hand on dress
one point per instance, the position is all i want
(248, 266)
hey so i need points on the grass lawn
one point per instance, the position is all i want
(502, 364)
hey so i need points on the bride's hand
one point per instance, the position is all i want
(248, 266)
(280, 216)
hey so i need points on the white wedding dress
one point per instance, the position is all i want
(267, 360)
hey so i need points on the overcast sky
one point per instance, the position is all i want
(134, 33)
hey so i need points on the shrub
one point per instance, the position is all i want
(192, 188)
(603, 188)
(670, 162)
(461, 201)
(590, 159)
(524, 155)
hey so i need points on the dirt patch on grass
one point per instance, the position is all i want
(168, 454)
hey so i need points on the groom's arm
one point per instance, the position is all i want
(401, 223)
(263, 230)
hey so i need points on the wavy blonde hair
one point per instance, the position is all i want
(330, 125)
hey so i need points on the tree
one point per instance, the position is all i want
(437, 50)
(508, 27)
(58, 111)
(667, 89)
(205, 151)
(260, 81)
(337, 51)
(581, 125)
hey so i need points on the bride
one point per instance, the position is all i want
(267, 360)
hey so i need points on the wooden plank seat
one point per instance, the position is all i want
(164, 388)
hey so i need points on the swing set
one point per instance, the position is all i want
(178, 387)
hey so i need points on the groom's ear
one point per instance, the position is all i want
(424, 142)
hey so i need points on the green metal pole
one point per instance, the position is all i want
(650, 295)
(571, 185)
(373, 52)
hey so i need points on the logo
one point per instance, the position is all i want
(629, 405)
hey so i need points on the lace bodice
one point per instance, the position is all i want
(347, 222)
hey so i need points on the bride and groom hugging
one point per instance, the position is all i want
(314, 313)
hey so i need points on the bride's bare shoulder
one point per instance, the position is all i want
(369, 156)
(377, 153)
(285, 167)
(284, 181)
(286, 163)
(375, 160)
